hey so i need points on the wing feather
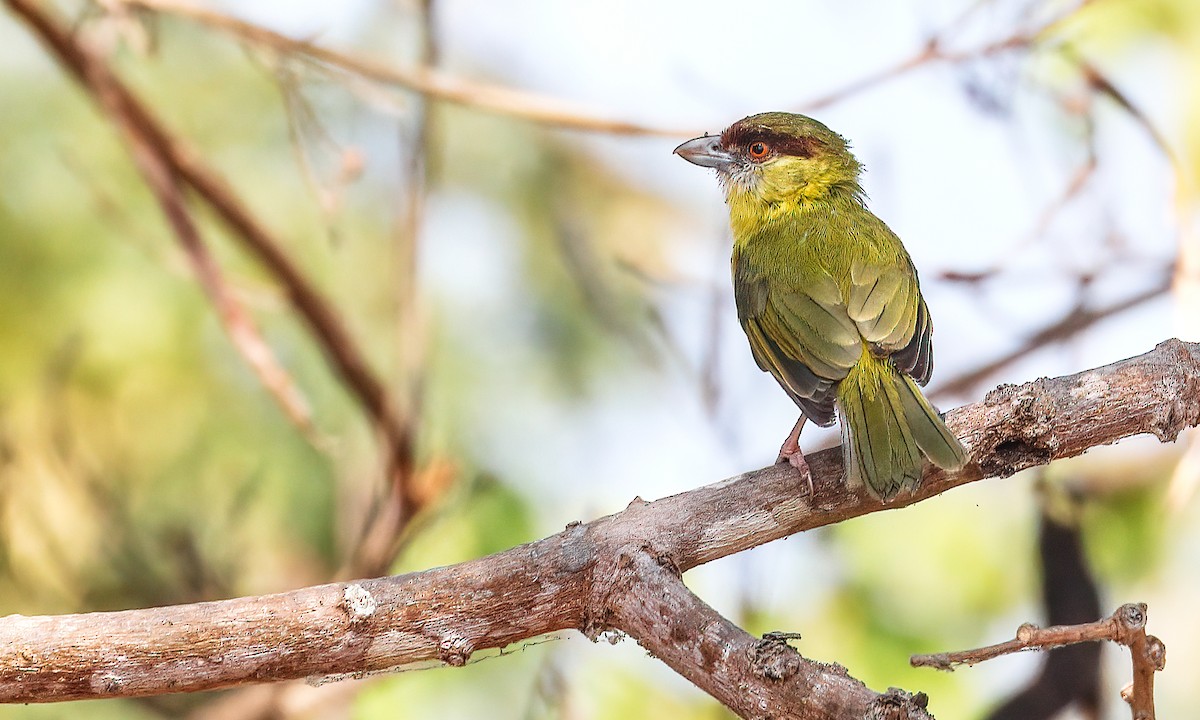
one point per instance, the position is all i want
(916, 358)
(893, 317)
(804, 338)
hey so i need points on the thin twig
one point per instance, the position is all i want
(931, 52)
(1032, 637)
(305, 127)
(1126, 626)
(928, 53)
(934, 51)
(437, 85)
(1075, 186)
(1100, 82)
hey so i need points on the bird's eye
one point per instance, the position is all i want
(758, 149)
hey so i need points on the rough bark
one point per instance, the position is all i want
(617, 572)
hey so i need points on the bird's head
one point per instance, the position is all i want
(776, 157)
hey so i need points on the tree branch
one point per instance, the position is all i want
(756, 678)
(591, 577)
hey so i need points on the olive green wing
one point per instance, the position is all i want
(886, 306)
(803, 337)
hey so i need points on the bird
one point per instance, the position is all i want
(829, 298)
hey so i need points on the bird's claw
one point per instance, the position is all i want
(796, 460)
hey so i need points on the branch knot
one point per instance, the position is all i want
(772, 657)
(1130, 618)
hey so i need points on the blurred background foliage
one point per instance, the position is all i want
(575, 335)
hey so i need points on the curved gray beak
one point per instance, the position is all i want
(705, 151)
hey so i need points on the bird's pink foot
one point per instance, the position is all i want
(791, 453)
